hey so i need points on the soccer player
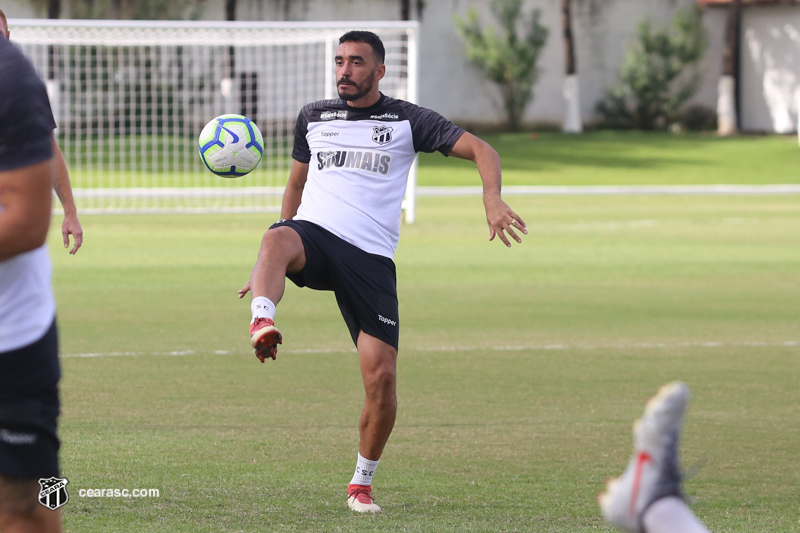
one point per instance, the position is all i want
(341, 223)
(647, 497)
(29, 366)
(71, 225)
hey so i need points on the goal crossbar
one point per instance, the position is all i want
(130, 98)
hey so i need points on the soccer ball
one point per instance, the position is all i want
(231, 146)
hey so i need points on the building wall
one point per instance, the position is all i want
(449, 84)
(602, 30)
(771, 68)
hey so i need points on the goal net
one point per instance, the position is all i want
(131, 97)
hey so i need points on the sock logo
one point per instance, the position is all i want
(363, 472)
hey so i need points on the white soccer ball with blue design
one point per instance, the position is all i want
(231, 146)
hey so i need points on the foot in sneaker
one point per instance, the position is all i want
(653, 472)
(265, 338)
(359, 499)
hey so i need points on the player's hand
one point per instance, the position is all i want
(503, 221)
(72, 226)
(244, 290)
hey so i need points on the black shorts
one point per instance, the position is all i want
(29, 408)
(365, 284)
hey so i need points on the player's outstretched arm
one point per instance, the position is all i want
(63, 188)
(500, 217)
(26, 202)
(294, 189)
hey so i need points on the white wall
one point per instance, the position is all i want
(771, 68)
(18, 9)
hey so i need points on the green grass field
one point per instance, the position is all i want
(520, 370)
(548, 158)
(627, 158)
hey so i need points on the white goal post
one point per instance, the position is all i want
(130, 99)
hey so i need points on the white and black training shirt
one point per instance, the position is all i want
(359, 160)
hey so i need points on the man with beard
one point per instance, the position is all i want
(341, 223)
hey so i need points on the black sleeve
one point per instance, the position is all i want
(432, 131)
(301, 151)
(26, 120)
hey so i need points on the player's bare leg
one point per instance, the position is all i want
(40, 520)
(20, 512)
(379, 372)
(281, 251)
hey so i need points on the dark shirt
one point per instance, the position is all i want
(26, 120)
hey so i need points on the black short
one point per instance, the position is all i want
(365, 284)
(29, 408)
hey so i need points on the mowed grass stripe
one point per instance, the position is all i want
(649, 346)
(594, 158)
(487, 439)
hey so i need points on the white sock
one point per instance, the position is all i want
(671, 515)
(365, 469)
(262, 308)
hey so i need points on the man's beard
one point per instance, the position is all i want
(361, 90)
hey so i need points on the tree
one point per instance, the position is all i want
(654, 85)
(508, 57)
(53, 12)
(53, 9)
(572, 96)
(230, 16)
(727, 109)
(405, 9)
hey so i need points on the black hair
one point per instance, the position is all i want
(360, 36)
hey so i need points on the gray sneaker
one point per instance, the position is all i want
(654, 471)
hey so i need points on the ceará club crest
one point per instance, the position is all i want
(382, 134)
